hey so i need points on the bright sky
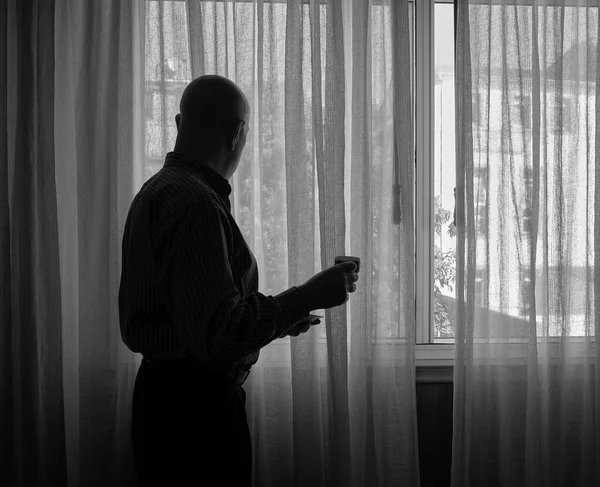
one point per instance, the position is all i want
(444, 34)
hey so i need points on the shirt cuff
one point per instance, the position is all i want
(294, 307)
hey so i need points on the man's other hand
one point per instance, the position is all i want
(301, 327)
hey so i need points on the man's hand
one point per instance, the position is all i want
(301, 327)
(330, 288)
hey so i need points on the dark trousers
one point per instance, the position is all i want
(189, 428)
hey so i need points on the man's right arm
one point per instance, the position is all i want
(206, 305)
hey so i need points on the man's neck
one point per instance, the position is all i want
(213, 163)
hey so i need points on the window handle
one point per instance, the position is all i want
(396, 211)
(454, 214)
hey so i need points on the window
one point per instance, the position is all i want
(432, 50)
(505, 145)
(505, 138)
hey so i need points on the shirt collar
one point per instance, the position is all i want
(217, 182)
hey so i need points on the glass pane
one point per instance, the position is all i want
(444, 175)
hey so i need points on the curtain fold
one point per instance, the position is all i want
(328, 123)
(526, 384)
(32, 423)
(98, 171)
(5, 268)
(301, 120)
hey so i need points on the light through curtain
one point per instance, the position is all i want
(70, 129)
(98, 118)
(527, 388)
(335, 406)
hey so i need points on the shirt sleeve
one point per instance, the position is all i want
(206, 305)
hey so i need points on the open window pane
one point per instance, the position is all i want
(444, 238)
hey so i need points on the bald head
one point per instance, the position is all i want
(212, 122)
(212, 100)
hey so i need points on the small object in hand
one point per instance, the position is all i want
(303, 325)
(345, 258)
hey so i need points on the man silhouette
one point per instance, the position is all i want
(189, 301)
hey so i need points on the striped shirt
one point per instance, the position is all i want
(189, 281)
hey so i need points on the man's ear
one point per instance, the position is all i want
(238, 133)
(177, 120)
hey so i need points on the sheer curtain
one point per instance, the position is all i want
(99, 152)
(88, 96)
(31, 402)
(67, 166)
(527, 388)
(335, 406)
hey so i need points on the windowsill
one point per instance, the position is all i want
(434, 363)
(434, 355)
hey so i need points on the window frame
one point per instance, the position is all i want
(424, 159)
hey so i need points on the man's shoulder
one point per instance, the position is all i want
(165, 203)
(176, 193)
